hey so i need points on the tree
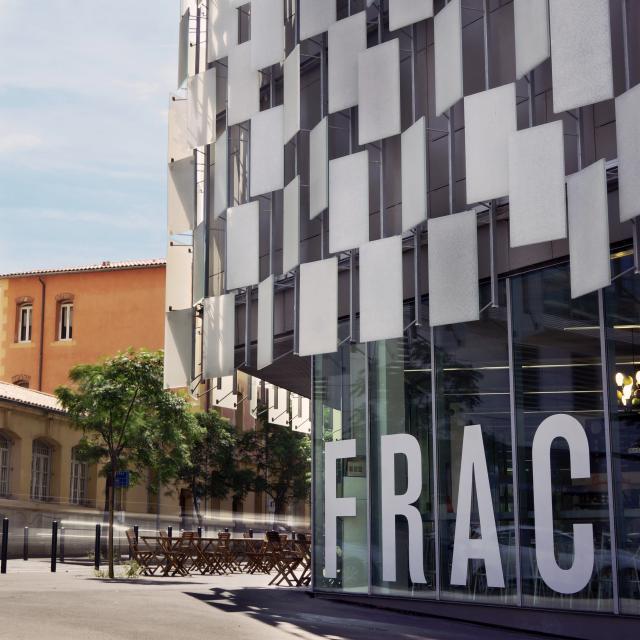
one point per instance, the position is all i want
(129, 422)
(281, 459)
(217, 467)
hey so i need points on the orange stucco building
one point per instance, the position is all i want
(52, 320)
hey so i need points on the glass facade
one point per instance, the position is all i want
(525, 426)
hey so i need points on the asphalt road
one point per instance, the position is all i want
(73, 603)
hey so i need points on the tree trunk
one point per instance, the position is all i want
(112, 508)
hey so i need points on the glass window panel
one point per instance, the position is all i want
(339, 381)
(623, 351)
(400, 402)
(472, 383)
(558, 370)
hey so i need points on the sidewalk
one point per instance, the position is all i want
(73, 604)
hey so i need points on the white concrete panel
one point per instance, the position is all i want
(223, 28)
(453, 269)
(349, 202)
(490, 118)
(178, 335)
(292, 94)
(267, 151)
(291, 226)
(218, 336)
(414, 175)
(316, 16)
(537, 203)
(243, 246)
(201, 113)
(243, 85)
(379, 92)
(265, 323)
(380, 274)
(318, 307)
(267, 33)
(181, 195)
(183, 49)
(347, 39)
(178, 278)
(531, 18)
(628, 135)
(221, 176)
(447, 31)
(178, 146)
(580, 53)
(319, 168)
(279, 410)
(588, 215)
(403, 13)
(222, 395)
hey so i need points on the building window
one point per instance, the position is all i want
(40, 470)
(5, 456)
(78, 488)
(65, 324)
(25, 315)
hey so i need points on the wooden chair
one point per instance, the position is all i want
(283, 560)
(146, 558)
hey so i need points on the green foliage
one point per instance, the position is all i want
(217, 467)
(281, 459)
(128, 421)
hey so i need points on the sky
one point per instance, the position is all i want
(84, 89)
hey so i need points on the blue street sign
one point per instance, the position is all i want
(122, 479)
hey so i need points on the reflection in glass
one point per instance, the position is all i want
(557, 369)
(400, 402)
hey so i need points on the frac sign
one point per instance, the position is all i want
(473, 474)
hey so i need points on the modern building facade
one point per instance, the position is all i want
(424, 214)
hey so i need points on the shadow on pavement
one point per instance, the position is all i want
(285, 609)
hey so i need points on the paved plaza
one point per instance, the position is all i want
(74, 604)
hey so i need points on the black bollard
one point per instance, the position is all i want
(136, 532)
(62, 545)
(54, 545)
(251, 533)
(96, 551)
(170, 532)
(199, 532)
(293, 535)
(25, 544)
(5, 545)
(226, 529)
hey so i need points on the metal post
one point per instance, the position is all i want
(514, 443)
(247, 327)
(452, 157)
(136, 532)
(251, 533)
(532, 99)
(5, 545)
(25, 544)
(434, 462)
(96, 549)
(416, 276)
(611, 498)
(352, 303)
(199, 532)
(54, 545)
(62, 545)
(226, 529)
(170, 532)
